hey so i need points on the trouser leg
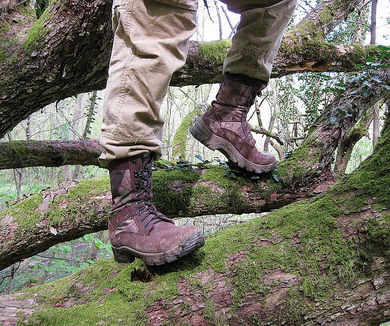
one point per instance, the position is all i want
(247, 69)
(150, 44)
(258, 36)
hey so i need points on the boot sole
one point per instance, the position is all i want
(125, 254)
(214, 142)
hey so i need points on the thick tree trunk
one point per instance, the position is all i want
(67, 50)
(319, 262)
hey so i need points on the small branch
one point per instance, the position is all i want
(262, 131)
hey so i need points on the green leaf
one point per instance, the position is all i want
(376, 79)
(342, 112)
(333, 120)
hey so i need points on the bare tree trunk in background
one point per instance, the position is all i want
(77, 116)
(217, 9)
(17, 174)
(232, 27)
(375, 111)
(87, 127)
(374, 4)
(90, 114)
(270, 127)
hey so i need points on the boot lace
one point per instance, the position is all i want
(146, 209)
(247, 129)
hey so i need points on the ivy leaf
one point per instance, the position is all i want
(199, 158)
(367, 83)
(275, 177)
(342, 112)
(376, 79)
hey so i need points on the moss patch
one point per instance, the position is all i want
(181, 135)
(300, 165)
(172, 195)
(36, 32)
(215, 51)
(25, 212)
(77, 200)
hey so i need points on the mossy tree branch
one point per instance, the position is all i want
(321, 21)
(43, 220)
(315, 155)
(321, 261)
(190, 193)
(28, 153)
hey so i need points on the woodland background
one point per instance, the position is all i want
(281, 119)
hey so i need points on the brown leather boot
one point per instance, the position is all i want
(136, 228)
(224, 126)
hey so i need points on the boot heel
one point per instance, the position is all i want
(122, 256)
(200, 132)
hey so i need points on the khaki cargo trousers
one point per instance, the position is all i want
(151, 43)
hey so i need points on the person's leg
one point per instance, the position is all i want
(258, 36)
(247, 69)
(150, 43)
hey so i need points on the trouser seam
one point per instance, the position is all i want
(130, 57)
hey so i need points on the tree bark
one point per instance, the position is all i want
(66, 52)
(319, 262)
(347, 144)
(28, 153)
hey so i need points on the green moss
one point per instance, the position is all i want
(26, 212)
(181, 135)
(305, 240)
(215, 51)
(77, 200)
(301, 165)
(171, 195)
(36, 32)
